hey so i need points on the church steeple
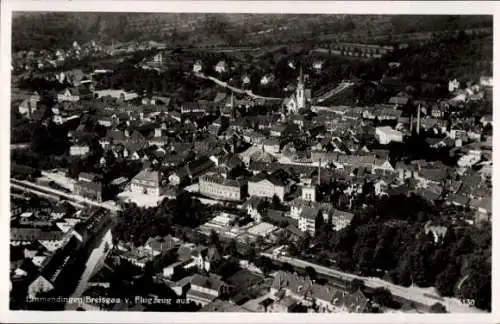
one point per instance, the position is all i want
(301, 100)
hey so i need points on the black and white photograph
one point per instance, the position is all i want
(250, 162)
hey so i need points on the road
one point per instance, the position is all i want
(30, 186)
(93, 264)
(419, 295)
(341, 87)
(234, 89)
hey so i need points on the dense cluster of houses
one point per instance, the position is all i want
(313, 161)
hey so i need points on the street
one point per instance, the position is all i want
(419, 295)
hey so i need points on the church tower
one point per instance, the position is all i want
(301, 99)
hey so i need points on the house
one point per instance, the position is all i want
(173, 269)
(158, 245)
(266, 79)
(197, 67)
(200, 107)
(264, 185)
(453, 85)
(218, 187)
(205, 289)
(282, 305)
(50, 238)
(179, 176)
(147, 182)
(317, 65)
(486, 81)
(386, 135)
(105, 121)
(79, 150)
(307, 219)
(271, 145)
(206, 258)
(221, 67)
(118, 94)
(483, 207)
(72, 95)
(245, 79)
(90, 190)
(399, 100)
(486, 120)
(223, 306)
(252, 208)
(29, 105)
(278, 130)
(50, 276)
(438, 232)
(327, 298)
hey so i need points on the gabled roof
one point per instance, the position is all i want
(206, 282)
(161, 243)
(150, 176)
(309, 212)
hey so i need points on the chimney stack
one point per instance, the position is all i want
(418, 120)
(411, 124)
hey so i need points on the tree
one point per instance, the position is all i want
(319, 222)
(311, 272)
(287, 267)
(214, 238)
(383, 297)
(276, 203)
(231, 248)
(356, 284)
(438, 308)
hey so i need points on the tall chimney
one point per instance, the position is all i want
(418, 120)
(411, 124)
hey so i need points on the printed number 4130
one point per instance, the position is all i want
(468, 302)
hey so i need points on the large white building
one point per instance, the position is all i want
(218, 187)
(386, 135)
(147, 182)
(267, 186)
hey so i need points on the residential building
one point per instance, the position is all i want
(205, 289)
(29, 105)
(326, 298)
(147, 182)
(219, 187)
(221, 67)
(264, 185)
(386, 135)
(90, 190)
(118, 94)
(271, 145)
(72, 95)
(79, 150)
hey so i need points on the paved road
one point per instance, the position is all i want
(416, 294)
(23, 184)
(237, 90)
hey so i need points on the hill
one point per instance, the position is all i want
(49, 30)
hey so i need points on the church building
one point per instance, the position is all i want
(299, 99)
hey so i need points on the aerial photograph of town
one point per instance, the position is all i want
(265, 163)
